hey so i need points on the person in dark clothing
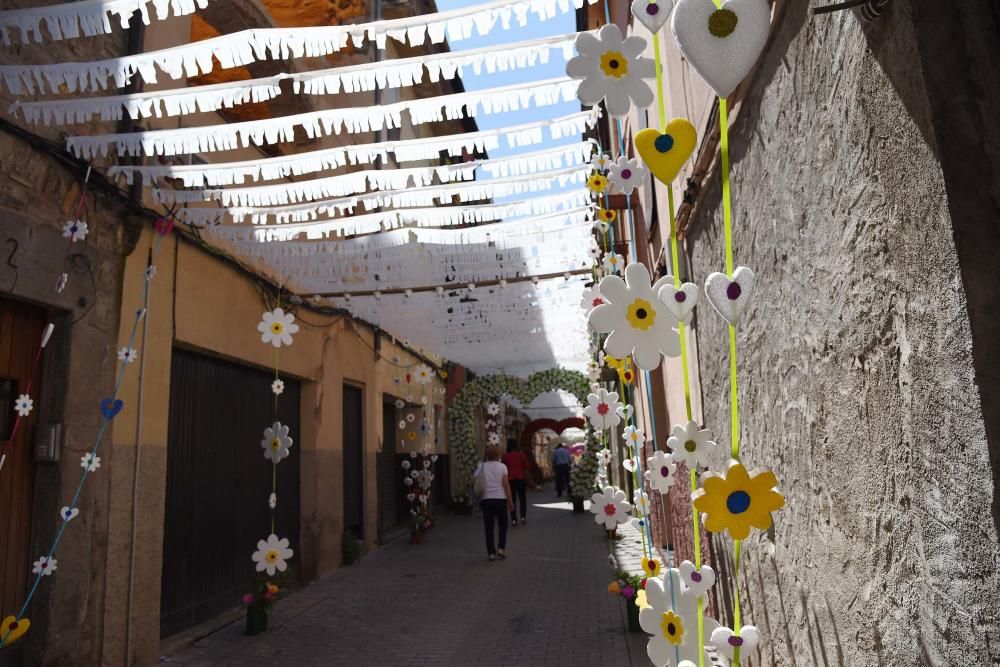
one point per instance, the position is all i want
(560, 460)
(517, 474)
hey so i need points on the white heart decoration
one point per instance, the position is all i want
(722, 60)
(652, 14)
(680, 302)
(726, 641)
(69, 514)
(625, 412)
(698, 580)
(629, 464)
(730, 297)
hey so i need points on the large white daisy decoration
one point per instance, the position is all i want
(626, 174)
(276, 442)
(272, 555)
(276, 327)
(602, 409)
(692, 444)
(671, 617)
(660, 470)
(638, 322)
(610, 507)
(612, 70)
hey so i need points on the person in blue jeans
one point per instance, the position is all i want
(560, 460)
(496, 501)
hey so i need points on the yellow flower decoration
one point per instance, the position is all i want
(614, 64)
(650, 566)
(738, 501)
(623, 367)
(606, 215)
(640, 314)
(672, 628)
(597, 183)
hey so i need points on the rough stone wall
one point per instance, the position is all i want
(858, 379)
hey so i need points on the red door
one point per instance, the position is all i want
(21, 328)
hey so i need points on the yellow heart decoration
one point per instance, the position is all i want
(11, 629)
(666, 153)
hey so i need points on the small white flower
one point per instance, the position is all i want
(276, 327)
(600, 162)
(591, 298)
(276, 442)
(45, 566)
(660, 469)
(493, 409)
(402, 424)
(271, 555)
(90, 462)
(593, 370)
(400, 404)
(613, 263)
(424, 374)
(272, 500)
(127, 355)
(75, 230)
(23, 405)
(150, 272)
(633, 437)
(640, 500)
(408, 481)
(610, 507)
(277, 387)
(410, 417)
(602, 409)
(424, 400)
(493, 438)
(406, 464)
(604, 457)
(596, 252)
(692, 444)
(626, 175)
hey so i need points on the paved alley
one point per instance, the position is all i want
(443, 603)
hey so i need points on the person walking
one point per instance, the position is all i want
(517, 474)
(560, 460)
(495, 501)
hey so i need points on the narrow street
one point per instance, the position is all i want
(443, 603)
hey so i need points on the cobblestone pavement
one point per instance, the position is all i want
(443, 603)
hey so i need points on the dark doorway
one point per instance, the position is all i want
(218, 484)
(354, 478)
(390, 493)
(21, 328)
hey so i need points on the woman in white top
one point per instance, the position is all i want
(496, 501)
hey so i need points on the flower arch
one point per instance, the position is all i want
(461, 435)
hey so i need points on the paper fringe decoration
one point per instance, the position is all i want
(249, 46)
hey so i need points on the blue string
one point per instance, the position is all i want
(93, 451)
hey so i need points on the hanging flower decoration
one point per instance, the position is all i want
(424, 374)
(12, 629)
(660, 470)
(150, 272)
(272, 500)
(593, 370)
(623, 367)
(602, 409)
(726, 641)
(127, 355)
(23, 405)
(636, 319)
(493, 438)
(45, 566)
(90, 462)
(276, 327)
(610, 507)
(75, 230)
(591, 298)
(612, 70)
(595, 252)
(672, 620)
(651, 567)
(277, 387)
(597, 184)
(606, 215)
(493, 409)
(600, 162)
(272, 555)
(400, 404)
(738, 501)
(612, 262)
(640, 501)
(276, 442)
(693, 445)
(633, 437)
(604, 457)
(626, 175)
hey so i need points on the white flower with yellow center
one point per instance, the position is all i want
(633, 437)
(612, 70)
(638, 322)
(672, 620)
(272, 554)
(613, 263)
(692, 444)
(276, 327)
(276, 442)
(424, 374)
(600, 162)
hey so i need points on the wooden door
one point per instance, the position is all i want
(354, 478)
(21, 328)
(218, 484)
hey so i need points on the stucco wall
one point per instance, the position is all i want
(857, 376)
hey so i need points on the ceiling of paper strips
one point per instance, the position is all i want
(438, 190)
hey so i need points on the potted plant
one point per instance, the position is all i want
(258, 604)
(628, 586)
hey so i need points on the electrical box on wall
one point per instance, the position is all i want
(48, 441)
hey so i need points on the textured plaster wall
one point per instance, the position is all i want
(858, 375)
